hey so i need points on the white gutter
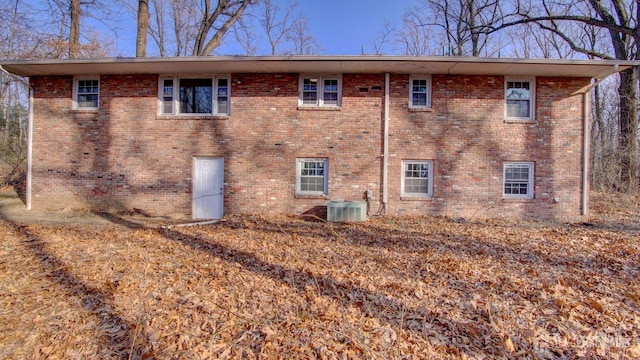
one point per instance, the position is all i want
(385, 156)
(29, 148)
(374, 64)
(585, 152)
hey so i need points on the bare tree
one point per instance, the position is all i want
(302, 42)
(72, 40)
(14, 38)
(142, 28)
(97, 46)
(462, 22)
(18, 40)
(30, 34)
(620, 19)
(383, 37)
(282, 28)
(157, 24)
(193, 27)
(245, 36)
(276, 22)
(74, 29)
(174, 26)
(215, 21)
(605, 168)
(414, 38)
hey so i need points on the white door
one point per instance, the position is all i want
(208, 185)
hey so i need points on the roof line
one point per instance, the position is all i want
(316, 58)
(375, 64)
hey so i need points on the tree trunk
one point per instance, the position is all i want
(202, 46)
(628, 130)
(143, 28)
(74, 30)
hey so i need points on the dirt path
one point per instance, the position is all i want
(14, 210)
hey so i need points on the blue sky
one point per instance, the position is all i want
(341, 27)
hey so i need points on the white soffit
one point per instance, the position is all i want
(321, 64)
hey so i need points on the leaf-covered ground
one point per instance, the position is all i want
(284, 287)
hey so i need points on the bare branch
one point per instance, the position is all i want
(383, 37)
(276, 23)
(245, 36)
(572, 44)
(583, 19)
(219, 19)
(303, 43)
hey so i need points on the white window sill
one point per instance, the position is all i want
(419, 109)
(416, 198)
(84, 111)
(520, 121)
(311, 196)
(192, 117)
(518, 200)
(319, 108)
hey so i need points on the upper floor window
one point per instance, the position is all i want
(320, 90)
(417, 178)
(520, 98)
(86, 93)
(518, 180)
(420, 92)
(201, 96)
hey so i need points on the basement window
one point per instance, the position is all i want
(518, 180)
(311, 176)
(194, 95)
(417, 178)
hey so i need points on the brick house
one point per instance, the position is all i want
(208, 136)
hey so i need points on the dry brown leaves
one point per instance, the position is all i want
(270, 288)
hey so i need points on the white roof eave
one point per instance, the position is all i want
(321, 64)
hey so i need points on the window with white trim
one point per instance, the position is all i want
(194, 95)
(518, 180)
(86, 93)
(417, 178)
(420, 92)
(318, 90)
(519, 99)
(311, 176)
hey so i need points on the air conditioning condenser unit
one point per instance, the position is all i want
(338, 211)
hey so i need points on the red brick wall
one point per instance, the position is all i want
(468, 139)
(124, 156)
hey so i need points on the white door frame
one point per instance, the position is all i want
(214, 200)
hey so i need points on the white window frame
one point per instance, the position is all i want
(299, 163)
(532, 98)
(175, 109)
(429, 192)
(529, 181)
(426, 78)
(76, 86)
(320, 89)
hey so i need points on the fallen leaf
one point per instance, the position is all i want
(508, 344)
